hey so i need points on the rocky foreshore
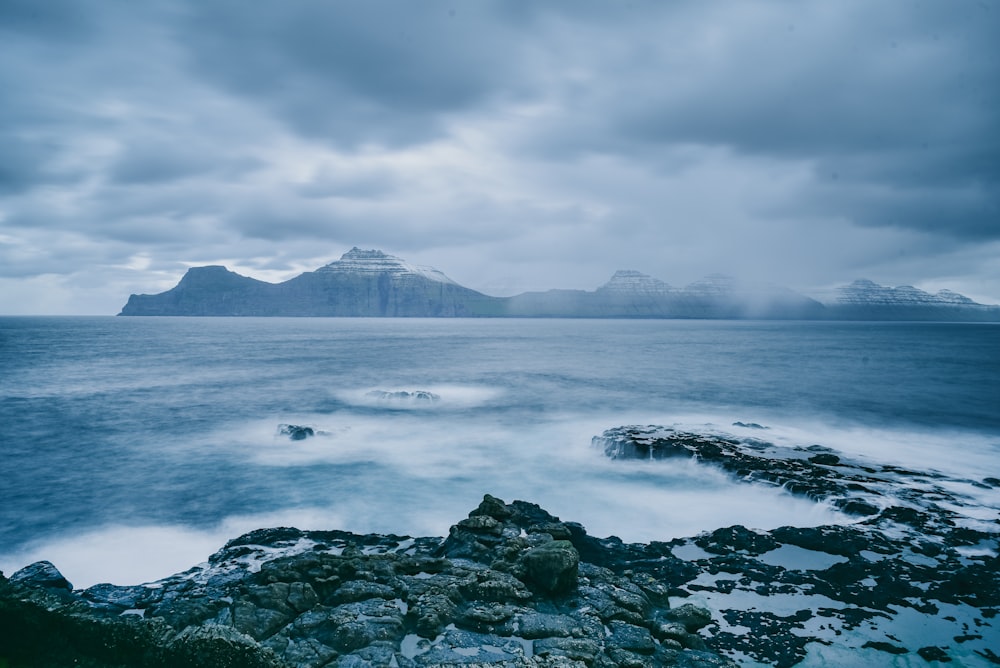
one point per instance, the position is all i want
(911, 575)
(510, 586)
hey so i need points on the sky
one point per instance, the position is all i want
(513, 145)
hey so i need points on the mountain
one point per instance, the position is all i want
(361, 283)
(631, 294)
(866, 300)
(370, 283)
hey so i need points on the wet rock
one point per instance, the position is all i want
(886, 647)
(736, 538)
(921, 547)
(552, 567)
(932, 653)
(493, 507)
(690, 616)
(296, 432)
(41, 574)
(631, 638)
(577, 649)
(417, 396)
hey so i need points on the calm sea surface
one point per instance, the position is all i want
(134, 447)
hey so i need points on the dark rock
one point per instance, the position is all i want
(825, 459)
(552, 567)
(296, 432)
(736, 538)
(749, 425)
(418, 396)
(691, 617)
(932, 653)
(41, 574)
(493, 507)
(577, 649)
(885, 647)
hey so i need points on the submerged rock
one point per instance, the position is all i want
(296, 432)
(402, 396)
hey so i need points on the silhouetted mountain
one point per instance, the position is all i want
(361, 283)
(371, 283)
(631, 294)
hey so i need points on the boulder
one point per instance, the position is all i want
(41, 574)
(552, 567)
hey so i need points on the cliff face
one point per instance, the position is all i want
(205, 291)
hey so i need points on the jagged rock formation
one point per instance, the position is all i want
(918, 571)
(510, 586)
(373, 284)
(864, 299)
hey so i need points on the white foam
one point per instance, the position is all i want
(449, 397)
(418, 472)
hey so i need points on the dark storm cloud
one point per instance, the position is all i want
(356, 72)
(560, 140)
(61, 19)
(895, 95)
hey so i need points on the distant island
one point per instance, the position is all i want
(370, 283)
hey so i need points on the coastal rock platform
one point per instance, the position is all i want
(913, 570)
(508, 587)
(910, 577)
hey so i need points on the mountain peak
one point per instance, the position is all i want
(358, 254)
(631, 281)
(864, 292)
(370, 262)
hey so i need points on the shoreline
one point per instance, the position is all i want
(916, 558)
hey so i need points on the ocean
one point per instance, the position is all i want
(133, 448)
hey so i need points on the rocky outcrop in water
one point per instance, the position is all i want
(915, 572)
(510, 586)
(404, 396)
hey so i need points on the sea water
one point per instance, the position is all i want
(133, 448)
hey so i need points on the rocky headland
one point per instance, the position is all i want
(911, 574)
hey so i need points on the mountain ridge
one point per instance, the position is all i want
(371, 283)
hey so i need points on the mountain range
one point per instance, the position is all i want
(370, 283)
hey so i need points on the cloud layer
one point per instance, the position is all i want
(513, 145)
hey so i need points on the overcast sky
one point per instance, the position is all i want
(513, 145)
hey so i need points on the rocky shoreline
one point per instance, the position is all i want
(912, 575)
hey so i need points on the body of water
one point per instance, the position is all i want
(134, 447)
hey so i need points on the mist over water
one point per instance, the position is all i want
(134, 448)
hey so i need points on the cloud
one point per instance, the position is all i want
(508, 143)
(354, 73)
